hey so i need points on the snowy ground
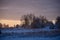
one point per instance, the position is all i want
(6, 36)
(17, 37)
(15, 30)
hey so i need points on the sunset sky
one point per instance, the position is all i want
(11, 23)
(14, 9)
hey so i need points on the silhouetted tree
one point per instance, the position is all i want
(43, 21)
(51, 25)
(1, 25)
(57, 24)
(17, 26)
(32, 21)
(0, 31)
(6, 26)
(25, 18)
(36, 23)
(28, 20)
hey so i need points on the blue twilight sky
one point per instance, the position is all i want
(13, 9)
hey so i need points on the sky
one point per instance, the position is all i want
(11, 23)
(14, 9)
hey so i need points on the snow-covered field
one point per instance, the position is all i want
(16, 37)
(15, 30)
(14, 34)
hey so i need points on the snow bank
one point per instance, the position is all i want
(15, 30)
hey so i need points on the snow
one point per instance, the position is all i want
(12, 36)
(16, 30)
(28, 38)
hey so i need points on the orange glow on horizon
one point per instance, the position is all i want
(54, 21)
(11, 23)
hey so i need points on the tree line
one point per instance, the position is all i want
(32, 21)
